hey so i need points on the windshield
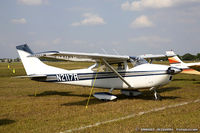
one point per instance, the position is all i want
(137, 61)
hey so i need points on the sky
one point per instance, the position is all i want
(125, 27)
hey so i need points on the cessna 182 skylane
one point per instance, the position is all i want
(126, 73)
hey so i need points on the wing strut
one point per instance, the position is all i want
(112, 69)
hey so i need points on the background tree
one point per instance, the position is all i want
(198, 56)
(188, 57)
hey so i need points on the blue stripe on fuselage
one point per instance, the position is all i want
(100, 75)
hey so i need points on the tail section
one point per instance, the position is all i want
(32, 65)
(175, 61)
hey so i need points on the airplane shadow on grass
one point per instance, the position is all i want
(6, 122)
(83, 103)
(165, 89)
(146, 95)
(179, 79)
(49, 93)
(196, 82)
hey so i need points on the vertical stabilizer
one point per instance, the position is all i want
(33, 65)
(175, 61)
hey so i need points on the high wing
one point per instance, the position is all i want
(75, 56)
(91, 57)
(152, 56)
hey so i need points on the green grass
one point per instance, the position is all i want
(59, 107)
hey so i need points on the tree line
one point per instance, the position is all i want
(190, 57)
(185, 57)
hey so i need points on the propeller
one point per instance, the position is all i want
(174, 70)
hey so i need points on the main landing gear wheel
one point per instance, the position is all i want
(156, 95)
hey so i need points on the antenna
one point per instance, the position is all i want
(104, 51)
(115, 51)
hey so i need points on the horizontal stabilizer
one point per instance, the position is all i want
(32, 76)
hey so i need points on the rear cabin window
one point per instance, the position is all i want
(116, 66)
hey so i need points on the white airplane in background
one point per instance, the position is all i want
(188, 68)
(126, 73)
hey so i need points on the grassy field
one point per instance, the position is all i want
(58, 107)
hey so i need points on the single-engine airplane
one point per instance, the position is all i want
(126, 73)
(188, 68)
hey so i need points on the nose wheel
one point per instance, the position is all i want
(156, 95)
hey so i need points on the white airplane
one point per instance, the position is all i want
(126, 73)
(188, 68)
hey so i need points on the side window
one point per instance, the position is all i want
(103, 68)
(118, 66)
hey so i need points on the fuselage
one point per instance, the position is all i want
(141, 76)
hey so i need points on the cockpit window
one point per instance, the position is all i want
(120, 66)
(135, 61)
